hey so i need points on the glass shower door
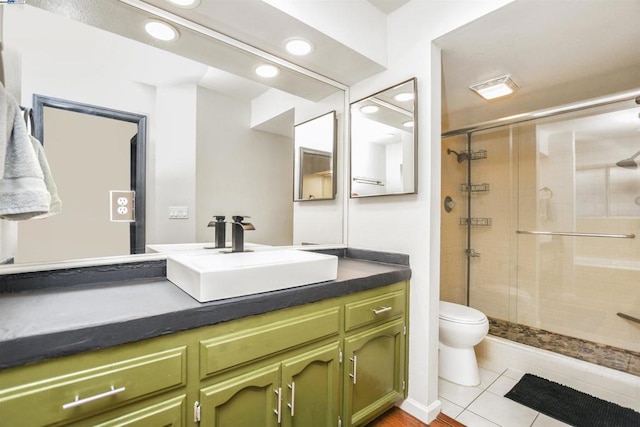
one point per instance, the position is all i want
(578, 229)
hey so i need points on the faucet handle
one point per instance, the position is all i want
(219, 218)
(239, 218)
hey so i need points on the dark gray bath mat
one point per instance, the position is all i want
(569, 405)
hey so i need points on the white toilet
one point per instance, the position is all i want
(461, 328)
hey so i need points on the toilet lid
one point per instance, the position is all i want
(460, 313)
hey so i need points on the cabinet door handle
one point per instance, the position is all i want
(292, 405)
(79, 402)
(278, 411)
(382, 309)
(354, 359)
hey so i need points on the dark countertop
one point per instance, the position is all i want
(46, 323)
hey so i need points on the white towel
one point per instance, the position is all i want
(23, 192)
(55, 207)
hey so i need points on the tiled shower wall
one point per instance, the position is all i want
(567, 285)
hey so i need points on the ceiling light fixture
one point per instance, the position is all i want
(267, 71)
(161, 31)
(403, 96)
(299, 47)
(408, 124)
(369, 109)
(495, 88)
(187, 4)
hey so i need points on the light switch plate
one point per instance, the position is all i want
(178, 212)
(123, 206)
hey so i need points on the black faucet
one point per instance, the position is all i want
(237, 232)
(220, 230)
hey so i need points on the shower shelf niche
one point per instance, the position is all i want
(475, 188)
(477, 155)
(476, 222)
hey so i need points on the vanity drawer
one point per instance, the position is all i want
(235, 349)
(68, 396)
(375, 309)
(170, 413)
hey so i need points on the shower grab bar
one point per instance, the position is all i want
(571, 234)
(628, 317)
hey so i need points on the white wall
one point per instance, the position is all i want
(329, 213)
(173, 165)
(241, 171)
(411, 224)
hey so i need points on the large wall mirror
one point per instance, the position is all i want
(219, 140)
(315, 157)
(384, 137)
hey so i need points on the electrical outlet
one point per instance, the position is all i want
(178, 212)
(123, 206)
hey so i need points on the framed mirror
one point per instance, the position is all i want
(219, 138)
(384, 142)
(315, 159)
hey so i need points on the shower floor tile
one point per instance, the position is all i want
(599, 354)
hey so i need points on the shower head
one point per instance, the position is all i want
(629, 163)
(461, 157)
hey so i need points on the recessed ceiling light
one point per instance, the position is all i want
(408, 124)
(187, 4)
(495, 88)
(299, 47)
(403, 96)
(369, 109)
(267, 70)
(161, 30)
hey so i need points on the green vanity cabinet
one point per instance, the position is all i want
(246, 400)
(170, 413)
(336, 362)
(300, 391)
(374, 374)
(66, 390)
(311, 388)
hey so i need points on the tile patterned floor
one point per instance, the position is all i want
(486, 406)
(599, 354)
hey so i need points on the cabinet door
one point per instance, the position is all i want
(374, 371)
(248, 400)
(311, 388)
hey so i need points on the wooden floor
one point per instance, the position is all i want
(398, 418)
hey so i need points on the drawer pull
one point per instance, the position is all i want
(382, 310)
(79, 401)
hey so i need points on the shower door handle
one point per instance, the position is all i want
(572, 234)
(628, 317)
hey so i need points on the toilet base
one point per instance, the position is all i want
(458, 365)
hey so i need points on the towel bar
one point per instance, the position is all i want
(571, 234)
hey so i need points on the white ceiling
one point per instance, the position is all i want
(558, 52)
(388, 6)
(255, 23)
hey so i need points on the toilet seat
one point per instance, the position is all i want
(461, 314)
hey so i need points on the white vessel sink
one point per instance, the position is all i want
(213, 276)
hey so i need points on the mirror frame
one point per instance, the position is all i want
(352, 178)
(297, 195)
(137, 228)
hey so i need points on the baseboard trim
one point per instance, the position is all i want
(426, 414)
